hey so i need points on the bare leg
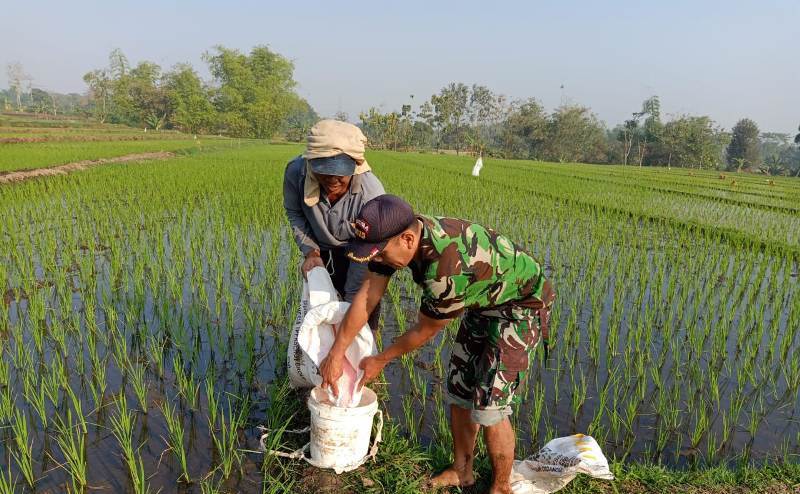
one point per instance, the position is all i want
(465, 433)
(500, 443)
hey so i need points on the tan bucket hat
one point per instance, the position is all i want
(329, 138)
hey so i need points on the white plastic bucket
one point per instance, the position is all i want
(340, 436)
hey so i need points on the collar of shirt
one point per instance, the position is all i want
(426, 252)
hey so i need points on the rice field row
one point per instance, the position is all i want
(14, 157)
(145, 315)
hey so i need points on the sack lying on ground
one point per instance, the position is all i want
(557, 463)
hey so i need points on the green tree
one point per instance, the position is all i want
(485, 110)
(255, 92)
(41, 101)
(149, 100)
(626, 134)
(299, 121)
(424, 126)
(524, 130)
(99, 93)
(692, 142)
(575, 135)
(383, 130)
(189, 101)
(450, 109)
(744, 149)
(642, 138)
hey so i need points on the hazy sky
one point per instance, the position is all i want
(727, 59)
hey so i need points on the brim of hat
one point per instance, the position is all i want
(334, 166)
(363, 252)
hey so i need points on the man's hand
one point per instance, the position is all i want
(372, 367)
(312, 261)
(331, 370)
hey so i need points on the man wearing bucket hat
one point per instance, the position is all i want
(466, 270)
(323, 190)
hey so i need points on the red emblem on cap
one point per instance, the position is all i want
(361, 228)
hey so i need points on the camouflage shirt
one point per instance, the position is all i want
(461, 265)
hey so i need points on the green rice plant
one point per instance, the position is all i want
(123, 424)
(7, 405)
(51, 382)
(188, 388)
(535, 417)
(578, 394)
(156, 355)
(23, 452)
(702, 423)
(98, 382)
(35, 396)
(58, 335)
(175, 439)
(409, 415)
(139, 479)
(7, 482)
(5, 371)
(139, 384)
(119, 347)
(70, 439)
(77, 407)
(213, 402)
(22, 358)
(210, 486)
(226, 440)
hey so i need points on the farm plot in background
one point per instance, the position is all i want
(146, 309)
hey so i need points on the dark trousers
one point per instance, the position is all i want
(347, 277)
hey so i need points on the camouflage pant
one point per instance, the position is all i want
(490, 358)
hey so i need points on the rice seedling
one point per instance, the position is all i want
(122, 427)
(175, 440)
(4, 370)
(226, 438)
(186, 384)
(7, 481)
(35, 396)
(213, 402)
(139, 384)
(7, 405)
(23, 454)
(70, 439)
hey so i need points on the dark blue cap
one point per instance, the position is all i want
(340, 165)
(378, 221)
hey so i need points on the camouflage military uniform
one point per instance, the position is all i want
(465, 268)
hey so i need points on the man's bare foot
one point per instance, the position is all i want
(500, 489)
(453, 477)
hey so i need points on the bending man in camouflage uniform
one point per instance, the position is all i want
(463, 269)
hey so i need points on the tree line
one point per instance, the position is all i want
(475, 119)
(253, 95)
(250, 95)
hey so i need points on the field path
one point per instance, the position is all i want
(18, 176)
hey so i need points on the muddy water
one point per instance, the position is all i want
(215, 343)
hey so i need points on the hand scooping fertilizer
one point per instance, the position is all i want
(313, 336)
(349, 395)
